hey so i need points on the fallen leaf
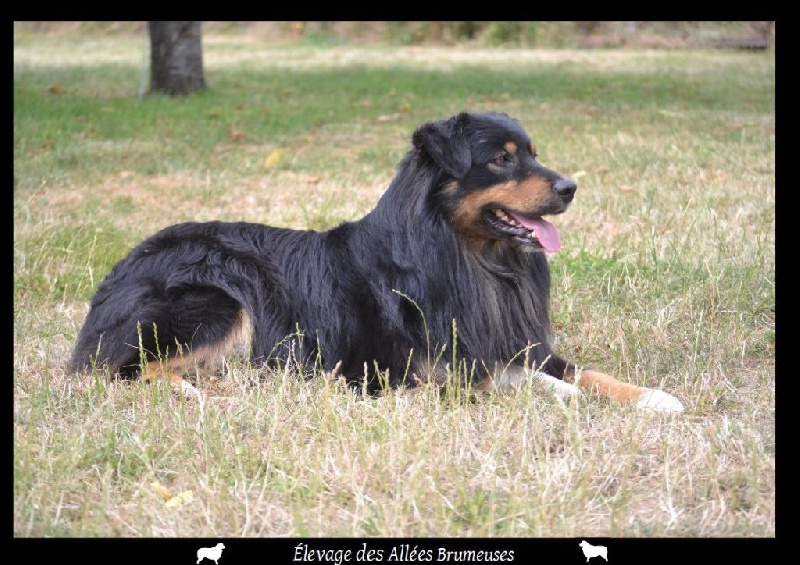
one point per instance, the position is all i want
(181, 499)
(273, 158)
(163, 491)
(235, 134)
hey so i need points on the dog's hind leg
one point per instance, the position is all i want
(209, 354)
(142, 330)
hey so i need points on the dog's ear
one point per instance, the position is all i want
(446, 143)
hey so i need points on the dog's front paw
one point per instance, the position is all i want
(659, 401)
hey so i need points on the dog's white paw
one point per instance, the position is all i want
(189, 390)
(659, 401)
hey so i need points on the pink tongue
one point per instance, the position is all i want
(545, 232)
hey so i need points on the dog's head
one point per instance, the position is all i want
(494, 188)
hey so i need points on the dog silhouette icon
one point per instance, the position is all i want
(210, 553)
(590, 550)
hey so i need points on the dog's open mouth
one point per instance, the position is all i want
(535, 232)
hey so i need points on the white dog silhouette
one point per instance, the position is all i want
(210, 553)
(590, 550)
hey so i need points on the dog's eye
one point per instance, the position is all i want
(501, 159)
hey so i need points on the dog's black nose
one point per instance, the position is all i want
(565, 188)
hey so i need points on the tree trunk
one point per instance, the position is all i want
(176, 57)
(437, 32)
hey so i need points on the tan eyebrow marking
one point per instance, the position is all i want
(510, 146)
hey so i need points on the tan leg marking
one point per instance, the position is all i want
(238, 339)
(171, 370)
(606, 385)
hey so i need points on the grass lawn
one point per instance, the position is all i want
(665, 279)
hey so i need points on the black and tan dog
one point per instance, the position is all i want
(452, 257)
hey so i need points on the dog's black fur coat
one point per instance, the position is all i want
(355, 294)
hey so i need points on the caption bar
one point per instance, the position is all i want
(305, 553)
